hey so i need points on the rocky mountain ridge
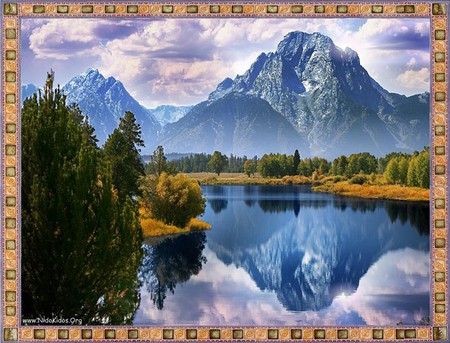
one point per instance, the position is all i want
(309, 95)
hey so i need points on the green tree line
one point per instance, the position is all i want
(197, 163)
(396, 167)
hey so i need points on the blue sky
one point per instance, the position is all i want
(180, 61)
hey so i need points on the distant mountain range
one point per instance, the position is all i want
(309, 95)
(236, 123)
(166, 114)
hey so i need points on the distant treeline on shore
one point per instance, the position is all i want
(396, 167)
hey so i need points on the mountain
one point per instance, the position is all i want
(309, 95)
(331, 100)
(105, 100)
(166, 114)
(309, 259)
(28, 90)
(235, 123)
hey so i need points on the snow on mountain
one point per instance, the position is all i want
(105, 100)
(308, 94)
(331, 100)
(166, 114)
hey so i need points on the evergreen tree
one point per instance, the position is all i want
(158, 162)
(296, 161)
(131, 130)
(121, 151)
(76, 239)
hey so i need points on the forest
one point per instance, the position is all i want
(396, 168)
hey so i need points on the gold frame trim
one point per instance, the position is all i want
(437, 12)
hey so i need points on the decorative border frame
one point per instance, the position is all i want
(12, 330)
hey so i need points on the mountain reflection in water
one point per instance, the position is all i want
(285, 255)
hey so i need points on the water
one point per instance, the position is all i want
(283, 255)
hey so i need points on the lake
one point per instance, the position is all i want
(283, 255)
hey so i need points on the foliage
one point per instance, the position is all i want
(76, 238)
(158, 163)
(412, 178)
(249, 168)
(384, 161)
(403, 164)
(153, 227)
(308, 166)
(276, 165)
(409, 170)
(339, 178)
(172, 199)
(362, 163)
(218, 162)
(358, 179)
(423, 169)
(121, 151)
(392, 173)
(296, 161)
(196, 163)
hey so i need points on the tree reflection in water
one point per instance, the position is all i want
(171, 262)
(418, 214)
(102, 289)
(218, 205)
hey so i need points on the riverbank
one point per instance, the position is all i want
(393, 192)
(374, 190)
(154, 228)
(243, 179)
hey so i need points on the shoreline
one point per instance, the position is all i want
(385, 192)
(156, 228)
(365, 191)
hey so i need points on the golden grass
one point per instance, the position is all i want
(243, 179)
(153, 227)
(395, 192)
(375, 189)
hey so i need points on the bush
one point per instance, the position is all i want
(173, 199)
(358, 179)
(339, 178)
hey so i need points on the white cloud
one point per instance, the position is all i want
(415, 79)
(412, 62)
(180, 61)
(50, 40)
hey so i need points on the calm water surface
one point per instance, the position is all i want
(283, 255)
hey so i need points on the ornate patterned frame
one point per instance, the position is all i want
(12, 330)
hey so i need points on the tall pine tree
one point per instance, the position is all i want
(80, 249)
(121, 151)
